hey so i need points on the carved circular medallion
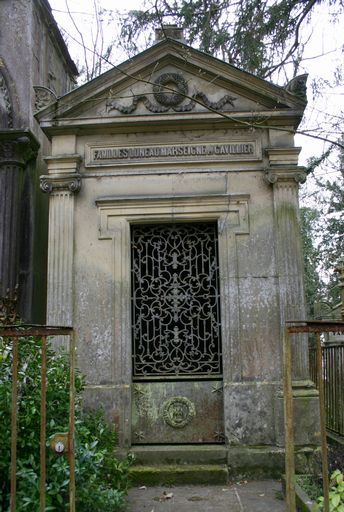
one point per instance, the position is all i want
(166, 98)
(178, 411)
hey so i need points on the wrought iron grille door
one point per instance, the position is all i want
(177, 390)
(175, 301)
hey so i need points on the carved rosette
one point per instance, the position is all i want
(178, 411)
(59, 182)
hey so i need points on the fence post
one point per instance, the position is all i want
(15, 334)
(43, 424)
(71, 428)
(322, 424)
(14, 423)
(288, 424)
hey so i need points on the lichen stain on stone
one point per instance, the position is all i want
(145, 407)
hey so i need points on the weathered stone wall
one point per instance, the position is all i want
(251, 278)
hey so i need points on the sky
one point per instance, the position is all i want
(325, 40)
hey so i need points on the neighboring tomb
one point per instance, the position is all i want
(175, 252)
(32, 53)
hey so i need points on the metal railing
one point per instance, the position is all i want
(318, 327)
(16, 335)
(332, 367)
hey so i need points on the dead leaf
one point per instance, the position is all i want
(166, 496)
(198, 498)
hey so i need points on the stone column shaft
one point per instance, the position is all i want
(10, 186)
(285, 178)
(60, 258)
(62, 186)
(290, 262)
(17, 148)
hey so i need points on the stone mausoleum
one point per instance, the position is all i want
(175, 252)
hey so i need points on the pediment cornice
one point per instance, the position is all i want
(207, 82)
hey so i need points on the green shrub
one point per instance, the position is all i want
(336, 495)
(101, 479)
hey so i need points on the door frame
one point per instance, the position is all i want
(115, 216)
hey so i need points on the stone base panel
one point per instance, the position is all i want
(253, 413)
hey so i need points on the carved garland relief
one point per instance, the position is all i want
(171, 91)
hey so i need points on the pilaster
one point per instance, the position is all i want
(17, 148)
(285, 176)
(62, 182)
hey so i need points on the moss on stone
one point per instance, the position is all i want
(176, 475)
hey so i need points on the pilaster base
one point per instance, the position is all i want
(306, 415)
(268, 461)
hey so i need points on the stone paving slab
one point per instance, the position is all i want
(252, 496)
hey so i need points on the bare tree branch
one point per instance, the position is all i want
(247, 124)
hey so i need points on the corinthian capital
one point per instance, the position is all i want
(59, 182)
(17, 147)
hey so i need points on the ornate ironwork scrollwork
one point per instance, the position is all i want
(175, 300)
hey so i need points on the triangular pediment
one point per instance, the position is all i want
(169, 79)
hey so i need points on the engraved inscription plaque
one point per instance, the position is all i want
(100, 156)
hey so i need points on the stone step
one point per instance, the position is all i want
(179, 454)
(183, 474)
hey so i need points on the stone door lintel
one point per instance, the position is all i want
(226, 208)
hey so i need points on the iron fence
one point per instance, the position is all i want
(333, 378)
(62, 445)
(318, 327)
